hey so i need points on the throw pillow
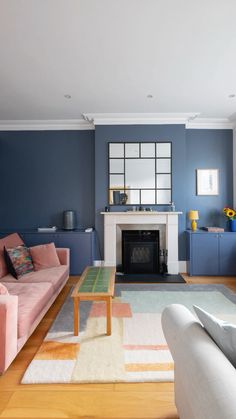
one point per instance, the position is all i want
(11, 240)
(3, 289)
(44, 256)
(18, 260)
(222, 332)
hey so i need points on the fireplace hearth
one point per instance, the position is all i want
(140, 251)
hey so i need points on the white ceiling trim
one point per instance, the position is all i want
(190, 120)
(45, 125)
(139, 118)
(210, 123)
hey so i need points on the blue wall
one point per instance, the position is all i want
(44, 173)
(210, 149)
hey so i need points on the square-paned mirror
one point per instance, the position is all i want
(163, 196)
(163, 165)
(116, 165)
(147, 149)
(140, 173)
(116, 150)
(163, 149)
(132, 150)
(163, 181)
(116, 181)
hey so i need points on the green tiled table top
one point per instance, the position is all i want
(96, 280)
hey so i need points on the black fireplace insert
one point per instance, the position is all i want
(140, 251)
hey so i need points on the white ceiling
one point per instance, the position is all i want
(109, 55)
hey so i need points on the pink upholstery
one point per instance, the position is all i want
(3, 289)
(64, 255)
(31, 300)
(9, 241)
(44, 256)
(8, 330)
(53, 275)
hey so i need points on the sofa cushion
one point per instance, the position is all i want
(3, 289)
(44, 256)
(32, 299)
(55, 276)
(222, 332)
(18, 260)
(9, 241)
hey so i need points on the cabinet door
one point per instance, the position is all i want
(205, 252)
(32, 239)
(80, 245)
(227, 243)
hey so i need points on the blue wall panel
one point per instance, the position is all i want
(44, 173)
(210, 149)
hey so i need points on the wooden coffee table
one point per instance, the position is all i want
(95, 284)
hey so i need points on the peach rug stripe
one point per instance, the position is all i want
(144, 347)
(149, 367)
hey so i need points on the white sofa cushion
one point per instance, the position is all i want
(223, 333)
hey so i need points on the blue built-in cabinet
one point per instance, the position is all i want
(80, 243)
(211, 253)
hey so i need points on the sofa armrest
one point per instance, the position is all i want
(8, 330)
(205, 380)
(64, 256)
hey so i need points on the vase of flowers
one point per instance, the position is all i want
(231, 215)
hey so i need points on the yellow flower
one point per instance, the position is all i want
(230, 213)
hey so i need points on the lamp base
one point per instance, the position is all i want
(194, 225)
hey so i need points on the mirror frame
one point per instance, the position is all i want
(123, 187)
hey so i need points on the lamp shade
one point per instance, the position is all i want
(193, 215)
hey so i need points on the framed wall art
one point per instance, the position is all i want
(207, 181)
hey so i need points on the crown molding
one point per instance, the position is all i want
(190, 120)
(45, 125)
(210, 123)
(139, 118)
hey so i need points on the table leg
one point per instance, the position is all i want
(109, 314)
(76, 316)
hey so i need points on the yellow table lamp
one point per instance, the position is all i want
(193, 216)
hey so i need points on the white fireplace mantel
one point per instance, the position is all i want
(112, 220)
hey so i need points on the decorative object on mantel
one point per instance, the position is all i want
(214, 229)
(193, 216)
(172, 206)
(207, 181)
(231, 215)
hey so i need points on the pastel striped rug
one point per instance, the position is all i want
(136, 351)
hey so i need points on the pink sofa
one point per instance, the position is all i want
(28, 300)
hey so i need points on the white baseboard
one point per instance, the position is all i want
(182, 265)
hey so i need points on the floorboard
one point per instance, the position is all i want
(88, 401)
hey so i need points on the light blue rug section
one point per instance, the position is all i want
(153, 302)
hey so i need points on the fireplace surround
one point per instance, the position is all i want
(166, 222)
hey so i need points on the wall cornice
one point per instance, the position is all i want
(45, 125)
(139, 118)
(190, 120)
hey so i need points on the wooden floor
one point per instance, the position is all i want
(88, 401)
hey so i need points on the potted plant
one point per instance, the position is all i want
(231, 216)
